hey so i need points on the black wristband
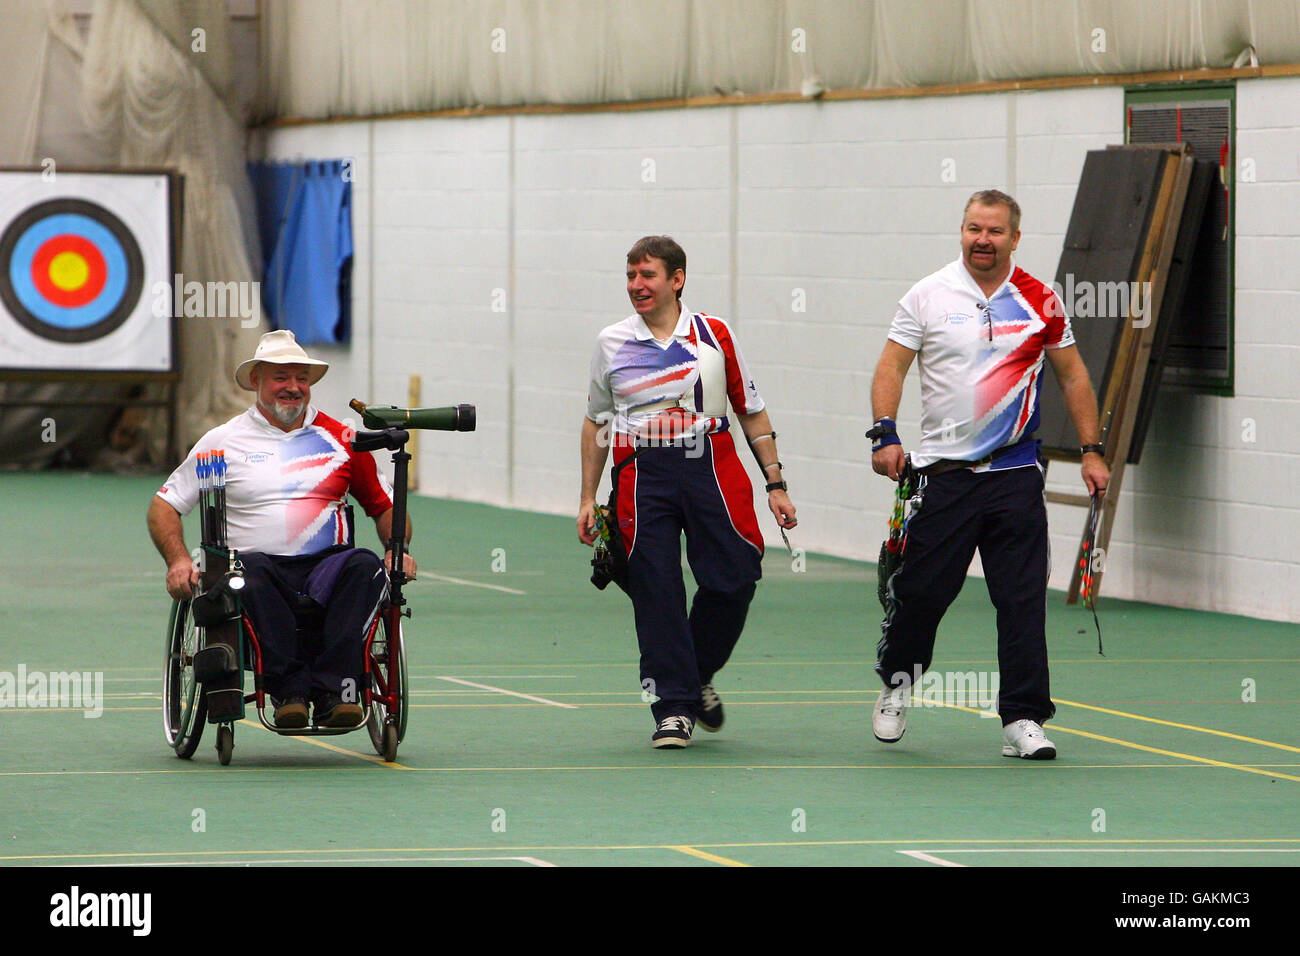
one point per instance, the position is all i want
(775, 485)
(1098, 449)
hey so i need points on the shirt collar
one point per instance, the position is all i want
(260, 419)
(683, 329)
(974, 287)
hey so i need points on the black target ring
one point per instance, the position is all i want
(39, 232)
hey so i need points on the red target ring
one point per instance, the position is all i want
(69, 270)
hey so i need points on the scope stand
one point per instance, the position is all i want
(395, 440)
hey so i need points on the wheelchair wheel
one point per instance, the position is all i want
(387, 729)
(225, 743)
(184, 706)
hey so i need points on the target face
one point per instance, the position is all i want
(74, 270)
(84, 258)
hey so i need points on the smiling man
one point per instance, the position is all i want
(661, 382)
(289, 470)
(980, 328)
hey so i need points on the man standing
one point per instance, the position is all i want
(981, 327)
(660, 384)
(290, 468)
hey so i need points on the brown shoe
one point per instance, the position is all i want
(332, 712)
(291, 714)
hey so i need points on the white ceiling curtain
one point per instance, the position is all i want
(158, 94)
(24, 41)
(323, 58)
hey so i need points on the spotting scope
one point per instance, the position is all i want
(453, 418)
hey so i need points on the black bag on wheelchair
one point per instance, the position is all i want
(217, 665)
(215, 605)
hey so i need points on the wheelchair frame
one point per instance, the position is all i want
(385, 692)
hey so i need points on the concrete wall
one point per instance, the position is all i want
(490, 252)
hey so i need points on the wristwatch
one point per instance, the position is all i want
(774, 485)
(1097, 449)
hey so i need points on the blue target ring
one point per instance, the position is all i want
(70, 270)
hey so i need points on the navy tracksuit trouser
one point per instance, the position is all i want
(273, 583)
(1001, 513)
(702, 489)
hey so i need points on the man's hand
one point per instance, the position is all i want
(888, 461)
(587, 521)
(1095, 473)
(782, 508)
(408, 564)
(181, 578)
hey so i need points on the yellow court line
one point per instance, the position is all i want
(1128, 743)
(333, 747)
(1172, 723)
(1174, 753)
(1001, 767)
(712, 858)
(910, 841)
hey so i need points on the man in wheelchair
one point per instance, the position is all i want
(289, 470)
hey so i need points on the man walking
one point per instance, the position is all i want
(981, 328)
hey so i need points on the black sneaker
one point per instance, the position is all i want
(710, 716)
(331, 711)
(673, 733)
(291, 713)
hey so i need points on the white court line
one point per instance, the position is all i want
(530, 860)
(488, 676)
(930, 858)
(472, 584)
(918, 855)
(502, 690)
(1126, 850)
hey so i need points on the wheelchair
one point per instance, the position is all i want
(211, 642)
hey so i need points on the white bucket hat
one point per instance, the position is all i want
(279, 348)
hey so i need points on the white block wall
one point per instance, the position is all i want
(803, 224)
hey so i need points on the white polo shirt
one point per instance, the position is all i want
(981, 361)
(285, 491)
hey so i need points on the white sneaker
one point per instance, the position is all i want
(1025, 738)
(889, 718)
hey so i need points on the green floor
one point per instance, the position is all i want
(548, 762)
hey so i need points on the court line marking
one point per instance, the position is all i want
(1057, 728)
(530, 860)
(1172, 723)
(926, 857)
(1106, 849)
(512, 693)
(472, 584)
(1174, 753)
(940, 861)
(711, 857)
(1003, 767)
(331, 851)
(372, 758)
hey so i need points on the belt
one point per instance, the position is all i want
(658, 406)
(953, 464)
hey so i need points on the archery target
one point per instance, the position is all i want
(80, 258)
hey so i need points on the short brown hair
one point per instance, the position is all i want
(994, 197)
(660, 247)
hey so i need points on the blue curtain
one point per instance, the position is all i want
(304, 217)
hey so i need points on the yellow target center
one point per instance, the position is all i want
(69, 271)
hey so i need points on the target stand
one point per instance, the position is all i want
(87, 260)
